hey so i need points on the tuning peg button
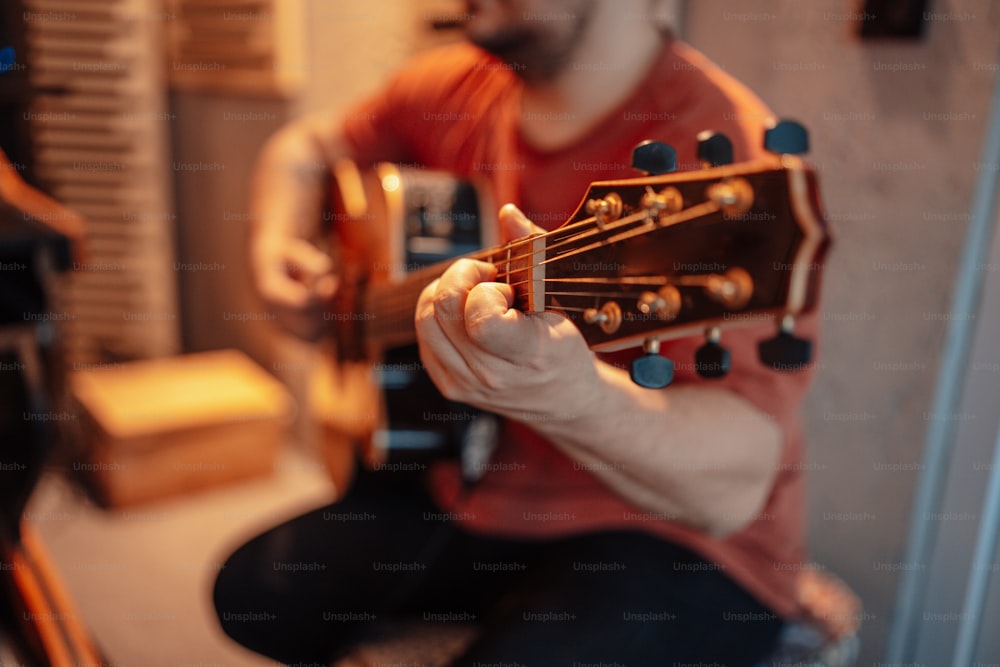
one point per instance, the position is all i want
(711, 360)
(714, 149)
(785, 352)
(787, 137)
(651, 370)
(654, 158)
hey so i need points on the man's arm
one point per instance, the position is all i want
(293, 277)
(700, 455)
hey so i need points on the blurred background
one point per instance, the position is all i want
(145, 118)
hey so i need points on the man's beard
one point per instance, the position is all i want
(533, 57)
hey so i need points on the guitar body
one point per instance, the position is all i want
(378, 400)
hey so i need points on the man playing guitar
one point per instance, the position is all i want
(617, 524)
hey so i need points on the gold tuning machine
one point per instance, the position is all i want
(605, 209)
(667, 201)
(732, 289)
(609, 317)
(664, 304)
(734, 196)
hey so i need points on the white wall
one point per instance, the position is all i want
(897, 180)
(354, 44)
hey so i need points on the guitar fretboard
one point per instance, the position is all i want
(388, 308)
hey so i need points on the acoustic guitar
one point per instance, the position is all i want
(641, 260)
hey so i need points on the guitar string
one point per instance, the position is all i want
(561, 237)
(684, 216)
(688, 214)
(572, 235)
(698, 280)
(692, 212)
(584, 234)
(403, 308)
(398, 293)
(619, 295)
(400, 301)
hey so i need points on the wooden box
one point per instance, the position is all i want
(166, 427)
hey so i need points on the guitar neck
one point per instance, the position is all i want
(386, 316)
(641, 260)
(388, 309)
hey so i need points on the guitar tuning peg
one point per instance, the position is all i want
(714, 149)
(785, 352)
(711, 360)
(786, 137)
(651, 370)
(654, 158)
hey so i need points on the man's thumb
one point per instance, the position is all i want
(514, 224)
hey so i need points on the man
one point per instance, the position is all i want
(631, 526)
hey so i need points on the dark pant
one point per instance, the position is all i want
(307, 590)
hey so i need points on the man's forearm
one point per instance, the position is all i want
(291, 175)
(294, 278)
(287, 184)
(696, 454)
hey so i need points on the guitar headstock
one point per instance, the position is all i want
(659, 257)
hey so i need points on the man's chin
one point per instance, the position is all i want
(508, 47)
(484, 22)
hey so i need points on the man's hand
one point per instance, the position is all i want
(479, 350)
(699, 453)
(295, 280)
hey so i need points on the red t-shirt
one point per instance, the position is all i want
(457, 109)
